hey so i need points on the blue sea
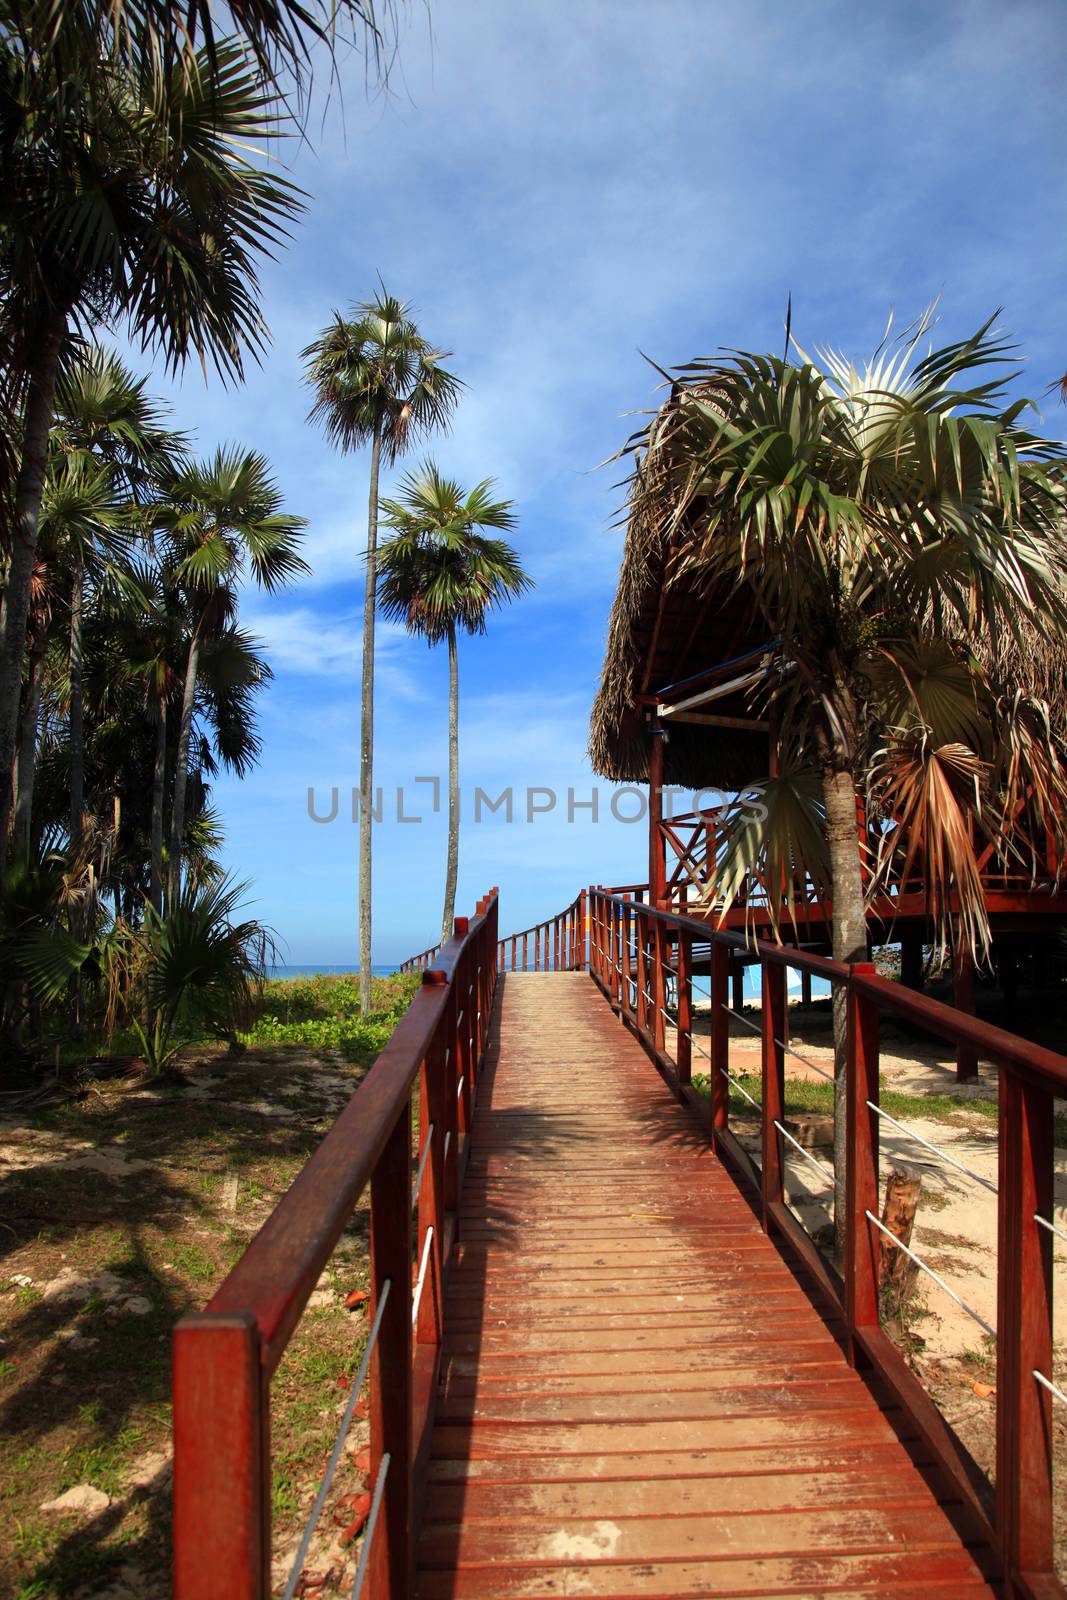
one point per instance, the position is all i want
(323, 971)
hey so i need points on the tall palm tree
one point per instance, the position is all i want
(900, 533)
(221, 519)
(377, 381)
(439, 573)
(125, 198)
(112, 436)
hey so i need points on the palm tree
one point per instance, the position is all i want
(220, 520)
(280, 34)
(126, 199)
(901, 536)
(439, 574)
(112, 435)
(377, 380)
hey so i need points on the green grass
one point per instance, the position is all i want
(323, 1014)
(819, 1097)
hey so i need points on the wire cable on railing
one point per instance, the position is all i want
(1051, 1226)
(758, 1104)
(459, 1085)
(1048, 1384)
(937, 1151)
(422, 1276)
(930, 1273)
(448, 1141)
(342, 1435)
(422, 1166)
(816, 1163)
(754, 1027)
(372, 1521)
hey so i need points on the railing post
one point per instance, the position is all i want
(222, 1479)
(460, 983)
(772, 1185)
(1024, 1327)
(719, 1040)
(524, 939)
(433, 1112)
(861, 1180)
(613, 952)
(390, 1570)
(641, 951)
(683, 1050)
(451, 1119)
(658, 985)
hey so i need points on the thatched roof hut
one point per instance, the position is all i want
(663, 629)
(666, 625)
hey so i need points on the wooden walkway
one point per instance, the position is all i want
(639, 1396)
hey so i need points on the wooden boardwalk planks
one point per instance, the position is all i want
(639, 1398)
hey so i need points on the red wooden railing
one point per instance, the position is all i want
(638, 954)
(422, 961)
(225, 1356)
(555, 945)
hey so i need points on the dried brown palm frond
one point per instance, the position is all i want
(933, 793)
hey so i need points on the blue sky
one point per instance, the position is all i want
(557, 188)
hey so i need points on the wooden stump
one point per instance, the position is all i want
(896, 1272)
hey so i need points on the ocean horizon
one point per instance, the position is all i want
(323, 969)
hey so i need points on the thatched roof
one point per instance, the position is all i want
(663, 628)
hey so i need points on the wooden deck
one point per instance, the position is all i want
(640, 1398)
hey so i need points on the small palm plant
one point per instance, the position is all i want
(377, 381)
(199, 967)
(440, 574)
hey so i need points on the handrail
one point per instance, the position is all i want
(224, 1356)
(636, 952)
(559, 942)
(422, 961)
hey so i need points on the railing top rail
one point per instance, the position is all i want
(956, 1027)
(277, 1273)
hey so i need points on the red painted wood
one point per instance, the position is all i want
(684, 1042)
(224, 1357)
(641, 973)
(861, 1237)
(1024, 1328)
(221, 1446)
(657, 988)
(772, 1097)
(390, 1569)
(719, 1040)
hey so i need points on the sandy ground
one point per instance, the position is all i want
(956, 1224)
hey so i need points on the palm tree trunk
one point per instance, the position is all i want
(366, 731)
(77, 716)
(27, 757)
(849, 932)
(28, 488)
(452, 871)
(181, 770)
(159, 778)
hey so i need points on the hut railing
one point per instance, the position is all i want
(643, 961)
(689, 845)
(225, 1356)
